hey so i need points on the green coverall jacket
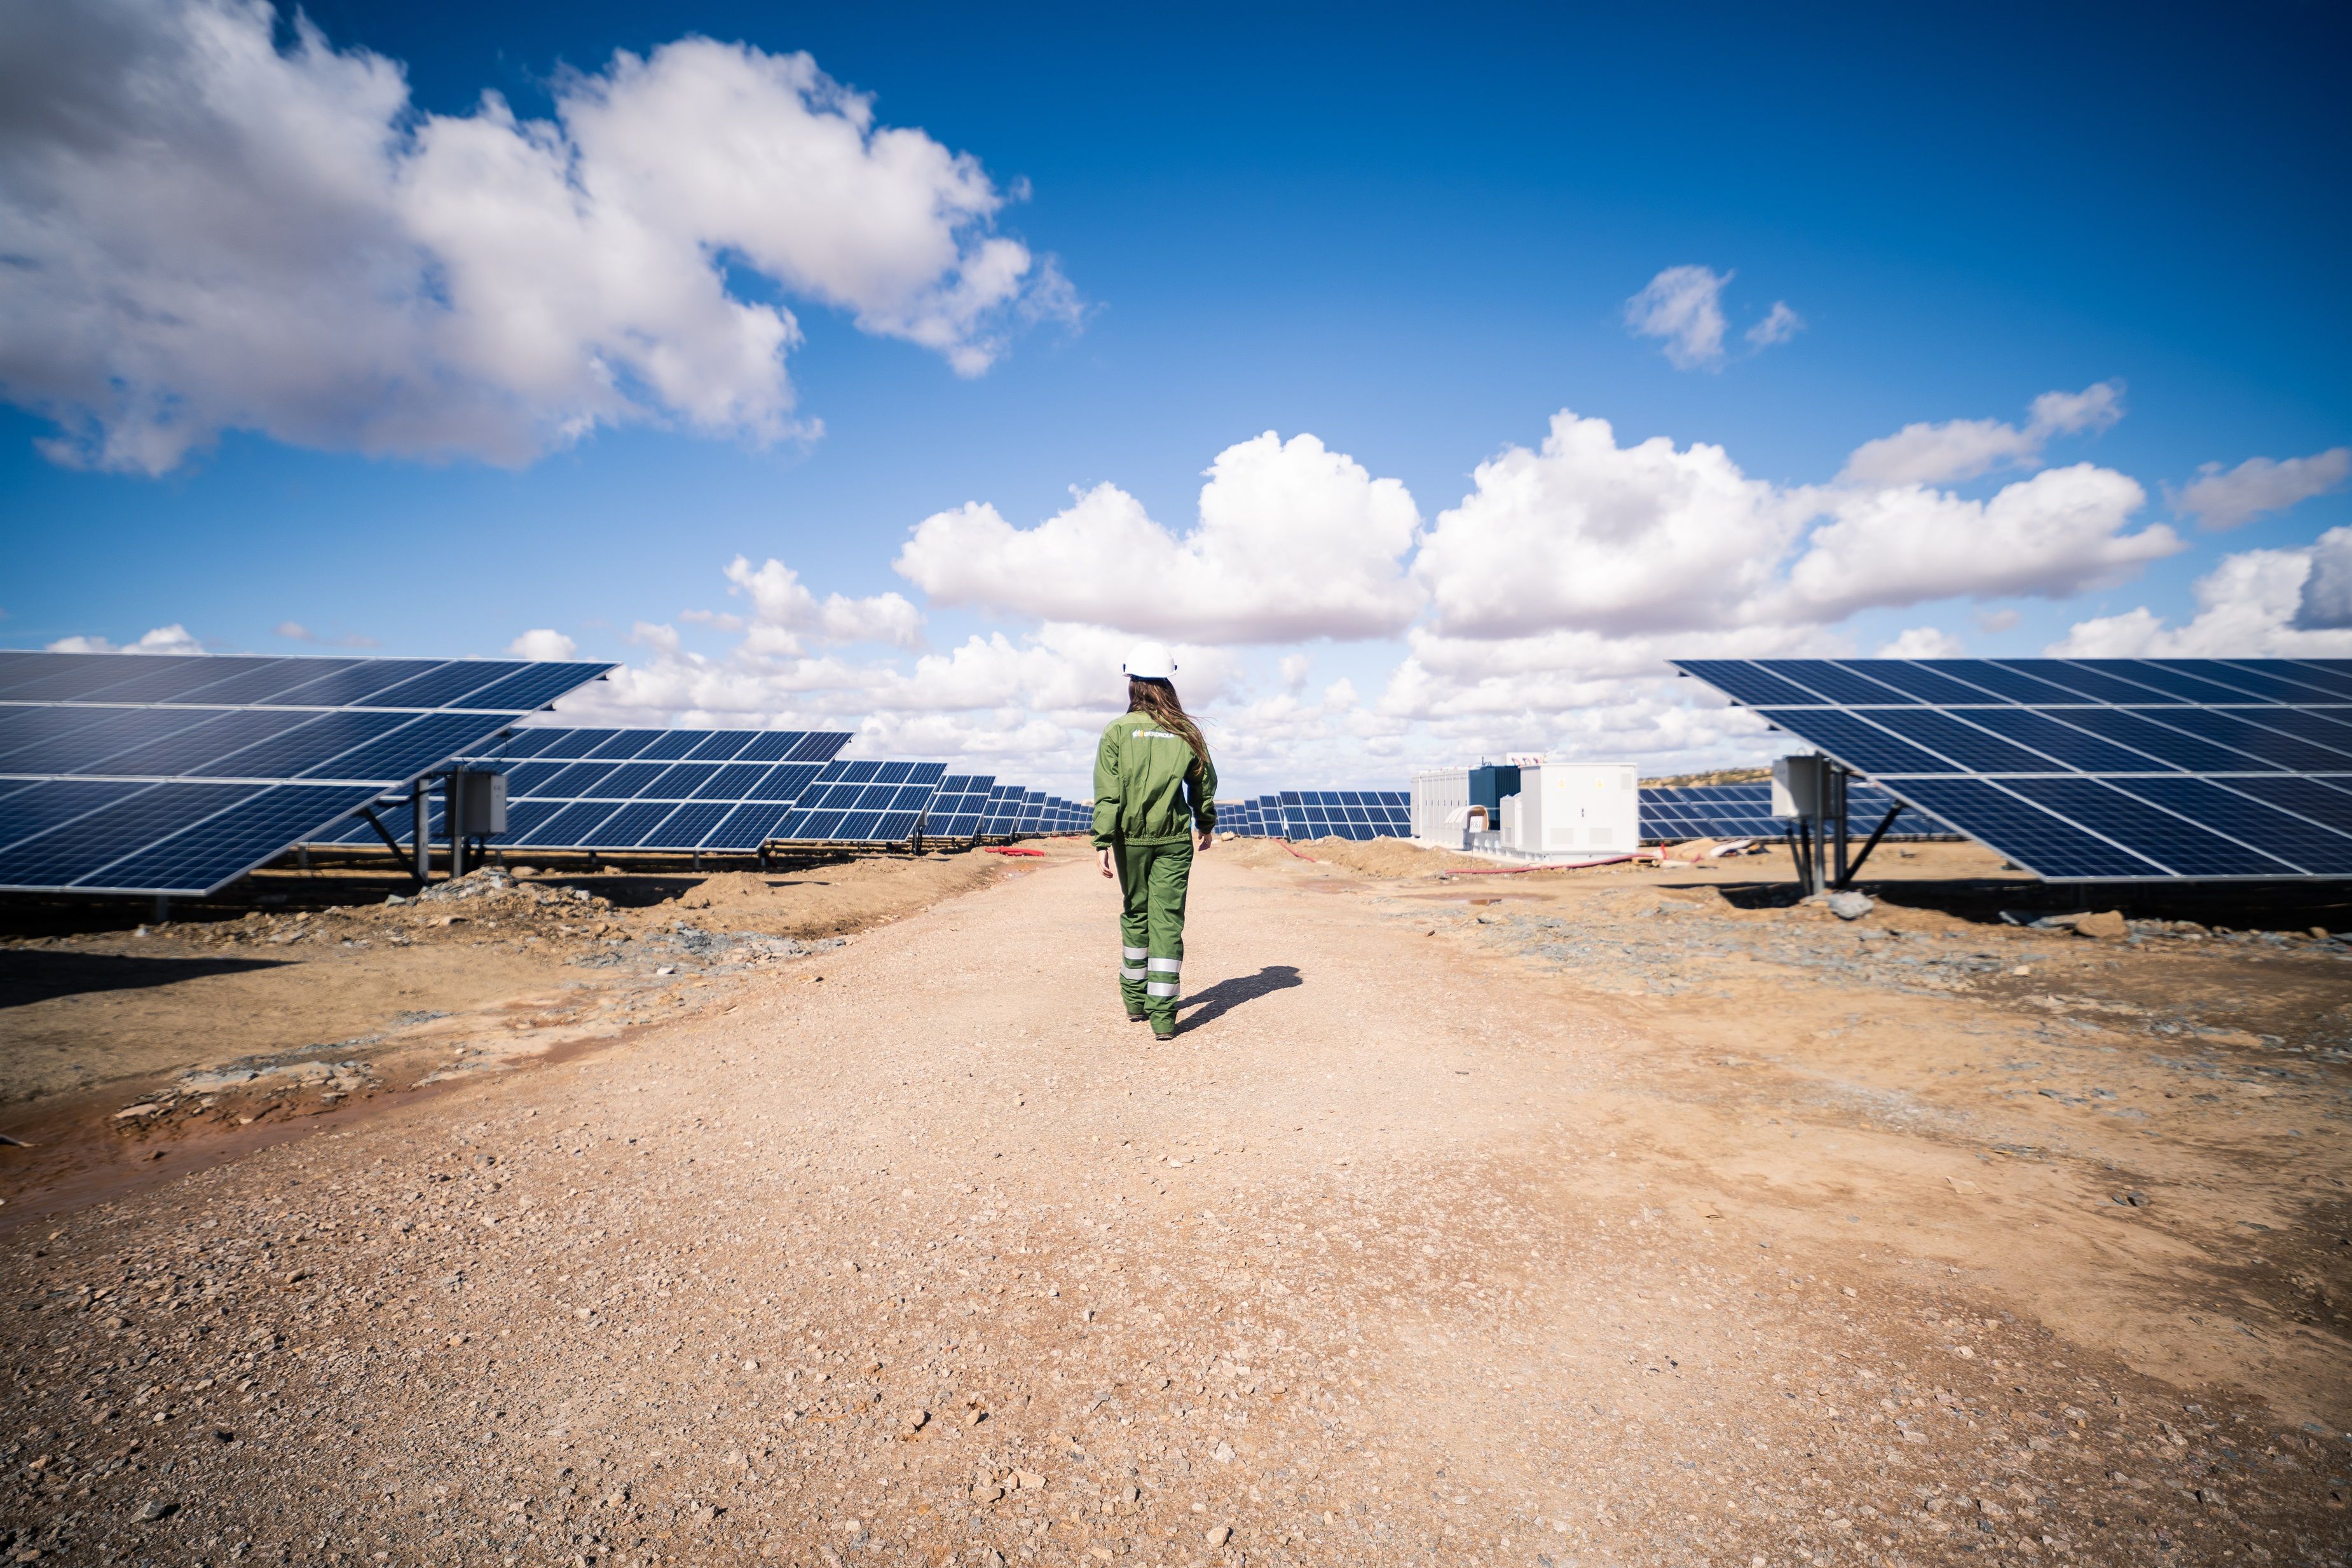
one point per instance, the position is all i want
(1149, 788)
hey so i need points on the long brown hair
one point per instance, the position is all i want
(1157, 699)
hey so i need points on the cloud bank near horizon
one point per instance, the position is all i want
(1537, 611)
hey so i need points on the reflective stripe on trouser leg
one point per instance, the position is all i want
(1166, 977)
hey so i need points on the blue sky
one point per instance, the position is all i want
(1411, 237)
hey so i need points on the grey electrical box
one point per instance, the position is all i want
(1800, 787)
(481, 802)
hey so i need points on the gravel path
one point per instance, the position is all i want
(917, 1252)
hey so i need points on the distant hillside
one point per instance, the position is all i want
(1720, 775)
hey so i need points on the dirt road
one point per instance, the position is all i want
(1409, 1250)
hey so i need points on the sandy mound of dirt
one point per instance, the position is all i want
(1378, 857)
(833, 900)
(733, 890)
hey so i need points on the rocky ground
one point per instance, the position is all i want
(135, 1052)
(1625, 1219)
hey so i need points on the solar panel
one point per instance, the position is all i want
(176, 774)
(2088, 769)
(958, 809)
(576, 787)
(1358, 814)
(862, 802)
(1002, 818)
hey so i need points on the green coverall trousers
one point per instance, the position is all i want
(1152, 879)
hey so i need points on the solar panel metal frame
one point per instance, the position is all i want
(2094, 769)
(212, 766)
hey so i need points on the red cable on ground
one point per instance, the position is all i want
(1311, 860)
(1001, 850)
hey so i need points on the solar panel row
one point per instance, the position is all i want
(174, 775)
(1745, 812)
(2092, 768)
(1319, 813)
(482, 685)
(862, 802)
(617, 789)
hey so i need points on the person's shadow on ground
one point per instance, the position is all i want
(1226, 995)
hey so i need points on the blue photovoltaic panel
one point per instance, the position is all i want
(1744, 683)
(637, 778)
(2169, 840)
(2176, 685)
(862, 802)
(31, 808)
(153, 774)
(1832, 683)
(1949, 735)
(1744, 810)
(2246, 819)
(2252, 680)
(1359, 814)
(1861, 744)
(2085, 682)
(957, 810)
(1003, 817)
(1927, 684)
(2050, 845)
(2092, 770)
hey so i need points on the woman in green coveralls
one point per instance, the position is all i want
(1155, 799)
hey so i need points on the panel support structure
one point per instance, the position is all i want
(1877, 834)
(398, 855)
(420, 847)
(450, 822)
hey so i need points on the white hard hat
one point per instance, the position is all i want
(1149, 661)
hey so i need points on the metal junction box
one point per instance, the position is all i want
(480, 801)
(1800, 787)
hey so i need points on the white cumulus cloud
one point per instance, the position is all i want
(1922, 642)
(1962, 449)
(1294, 541)
(1683, 305)
(207, 233)
(1537, 614)
(172, 639)
(1584, 532)
(2058, 533)
(785, 613)
(2231, 498)
(2252, 604)
(2325, 605)
(543, 643)
(1779, 324)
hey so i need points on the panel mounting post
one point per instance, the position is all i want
(1877, 834)
(449, 823)
(420, 845)
(1835, 806)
